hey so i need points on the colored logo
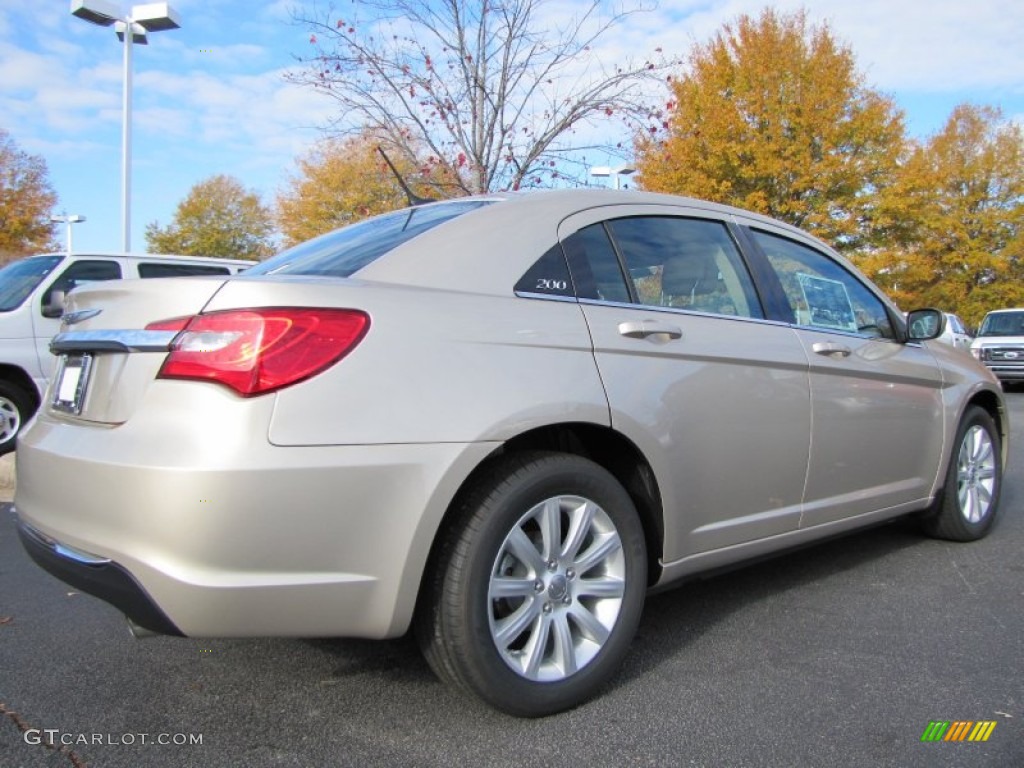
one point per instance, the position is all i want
(958, 730)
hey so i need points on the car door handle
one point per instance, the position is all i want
(831, 349)
(641, 329)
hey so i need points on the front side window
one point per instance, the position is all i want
(345, 251)
(821, 293)
(19, 278)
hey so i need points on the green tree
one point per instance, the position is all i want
(26, 200)
(340, 182)
(772, 116)
(490, 91)
(218, 217)
(956, 214)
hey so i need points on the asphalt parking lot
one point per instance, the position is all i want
(838, 655)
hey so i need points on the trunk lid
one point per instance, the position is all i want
(107, 359)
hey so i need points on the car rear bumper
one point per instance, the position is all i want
(304, 541)
(97, 576)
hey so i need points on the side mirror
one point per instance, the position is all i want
(925, 324)
(54, 306)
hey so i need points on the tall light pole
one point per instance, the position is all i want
(131, 28)
(68, 220)
(602, 171)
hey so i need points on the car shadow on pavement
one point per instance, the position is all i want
(398, 659)
(673, 619)
(787, 583)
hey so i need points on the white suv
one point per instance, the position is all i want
(32, 294)
(1000, 344)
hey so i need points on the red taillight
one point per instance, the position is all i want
(255, 351)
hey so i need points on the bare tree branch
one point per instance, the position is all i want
(487, 93)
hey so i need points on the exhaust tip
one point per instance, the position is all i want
(138, 631)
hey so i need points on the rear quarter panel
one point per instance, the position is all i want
(435, 365)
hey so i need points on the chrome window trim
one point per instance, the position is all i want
(693, 313)
(546, 296)
(681, 311)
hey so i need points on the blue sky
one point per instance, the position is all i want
(211, 97)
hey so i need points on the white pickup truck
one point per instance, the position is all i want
(32, 294)
(1000, 344)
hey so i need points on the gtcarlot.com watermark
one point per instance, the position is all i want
(54, 737)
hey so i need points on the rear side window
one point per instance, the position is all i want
(666, 261)
(595, 267)
(690, 264)
(345, 251)
(180, 270)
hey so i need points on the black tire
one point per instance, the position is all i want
(15, 410)
(466, 632)
(966, 508)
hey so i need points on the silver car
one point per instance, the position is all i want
(498, 420)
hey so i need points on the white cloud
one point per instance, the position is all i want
(261, 117)
(929, 45)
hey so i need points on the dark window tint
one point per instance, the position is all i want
(549, 275)
(82, 272)
(180, 270)
(690, 264)
(345, 251)
(19, 278)
(594, 265)
(821, 293)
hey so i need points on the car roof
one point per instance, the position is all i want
(489, 248)
(146, 256)
(568, 201)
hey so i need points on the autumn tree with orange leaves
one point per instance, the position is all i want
(26, 201)
(481, 95)
(772, 116)
(955, 217)
(341, 181)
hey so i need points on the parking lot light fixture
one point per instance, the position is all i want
(131, 28)
(64, 218)
(602, 171)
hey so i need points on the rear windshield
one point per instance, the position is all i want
(19, 278)
(345, 251)
(1003, 324)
